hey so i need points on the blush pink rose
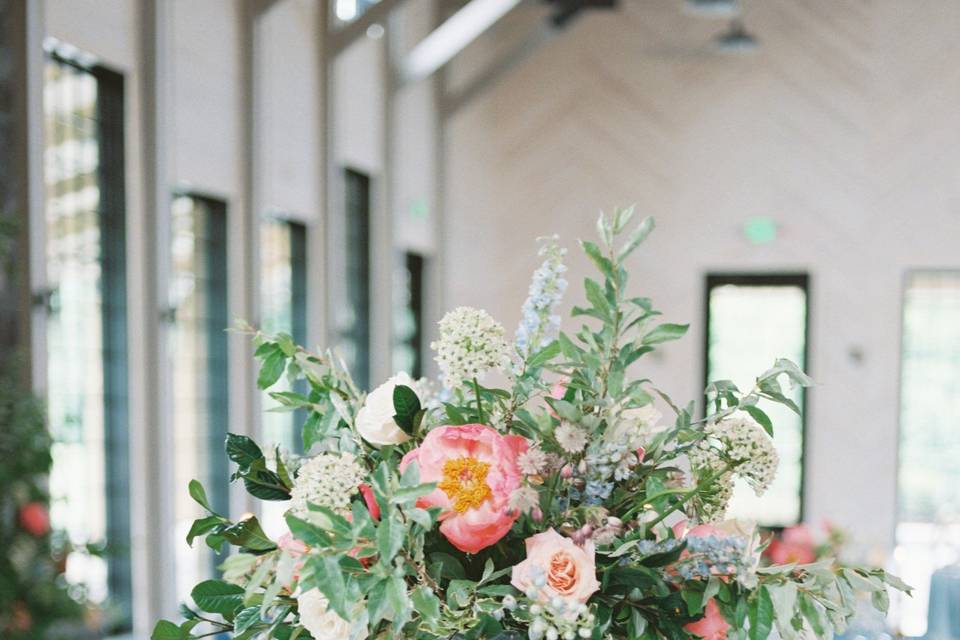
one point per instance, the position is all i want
(35, 519)
(475, 469)
(565, 569)
(713, 626)
(296, 549)
(794, 544)
(557, 391)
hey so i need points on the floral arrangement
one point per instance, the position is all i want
(34, 599)
(560, 505)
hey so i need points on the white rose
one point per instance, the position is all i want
(375, 419)
(320, 621)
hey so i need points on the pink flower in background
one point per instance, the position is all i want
(713, 626)
(475, 469)
(794, 544)
(557, 567)
(34, 519)
(700, 531)
(370, 500)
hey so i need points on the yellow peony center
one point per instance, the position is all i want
(465, 483)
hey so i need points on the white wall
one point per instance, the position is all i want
(843, 127)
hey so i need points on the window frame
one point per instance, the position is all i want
(798, 279)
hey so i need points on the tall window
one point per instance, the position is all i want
(283, 308)
(751, 321)
(408, 314)
(929, 476)
(87, 328)
(353, 318)
(198, 356)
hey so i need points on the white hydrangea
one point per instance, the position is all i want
(471, 343)
(636, 427)
(570, 437)
(329, 480)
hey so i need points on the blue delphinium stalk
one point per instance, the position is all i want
(540, 322)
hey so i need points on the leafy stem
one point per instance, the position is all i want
(476, 390)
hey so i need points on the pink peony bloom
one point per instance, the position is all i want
(476, 470)
(794, 544)
(34, 519)
(713, 626)
(370, 500)
(557, 567)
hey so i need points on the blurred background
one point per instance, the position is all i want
(347, 171)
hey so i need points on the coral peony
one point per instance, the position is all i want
(34, 519)
(713, 626)
(556, 567)
(794, 544)
(476, 470)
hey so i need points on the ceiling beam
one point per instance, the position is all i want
(453, 101)
(342, 37)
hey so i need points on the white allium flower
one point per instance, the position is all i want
(320, 621)
(471, 343)
(329, 480)
(524, 500)
(737, 439)
(375, 421)
(532, 461)
(570, 437)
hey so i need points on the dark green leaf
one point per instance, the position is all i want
(199, 495)
(243, 450)
(217, 596)
(248, 534)
(203, 526)
(406, 404)
(166, 630)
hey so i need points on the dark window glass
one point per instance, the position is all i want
(408, 314)
(87, 328)
(283, 309)
(198, 354)
(353, 318)
(751, 321)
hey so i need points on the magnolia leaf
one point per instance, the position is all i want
(166, 630)
(761, 615)
(407, 405)
(203, 526)
(246, 619)
(216, 596)
(243, 450)
(199, 495)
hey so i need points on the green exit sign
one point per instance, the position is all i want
(760, 230)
